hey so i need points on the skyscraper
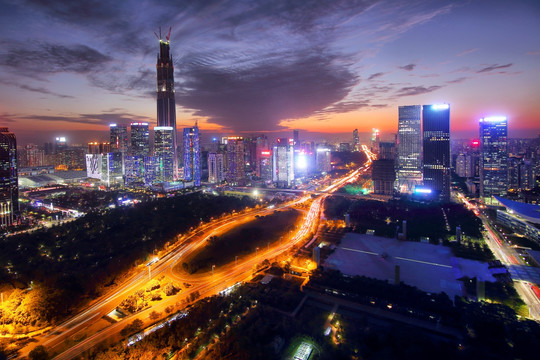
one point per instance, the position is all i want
(164, 152)
(119, 138)
(215, 168)
(356, 140)
(140, 139)
(409, 151)
(494, 156)
(283, 162)
(235, 159)
(192, 155)
(9, 187)
(436, 149)
(166, 108)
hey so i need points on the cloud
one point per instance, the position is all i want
(417, 90)
(457, 81)
(376, 75)
(104, 118)
(408, 67)
(44, 91)
(468, 51)
(53, 58)
(494, 67)
(259, 97)
(533, 52)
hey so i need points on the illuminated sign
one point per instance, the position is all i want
(494, 119)
(422, 191)
(112, 125)
(139, 124)
(267, 153)
(475, 143)
(440, 106)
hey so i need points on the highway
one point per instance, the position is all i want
(506, 255)
(206, 284)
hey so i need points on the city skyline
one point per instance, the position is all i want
(323, 67)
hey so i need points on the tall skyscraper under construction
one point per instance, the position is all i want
(166, 106)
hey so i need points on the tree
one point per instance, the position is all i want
(154, 315)
(39, 353)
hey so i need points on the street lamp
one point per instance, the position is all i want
(256, 251)
(213, 267)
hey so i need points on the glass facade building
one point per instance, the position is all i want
(436, 149)
(409, 149)
(192, 155)
(494, 156)
(9, 186)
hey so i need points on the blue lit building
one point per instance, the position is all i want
(192, 155)
(494, 156)
(140, 139)
(436, 149)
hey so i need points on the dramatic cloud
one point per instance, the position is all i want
(416, 90)
(494, 67)
(259, 98)
(53, 58)
(409, 67)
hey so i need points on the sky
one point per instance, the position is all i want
(242, 67)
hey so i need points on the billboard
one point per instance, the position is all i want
(93, 166)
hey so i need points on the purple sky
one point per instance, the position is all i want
(72, 67)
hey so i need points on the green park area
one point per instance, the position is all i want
(243, 240)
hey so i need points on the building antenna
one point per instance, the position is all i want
(169, 34)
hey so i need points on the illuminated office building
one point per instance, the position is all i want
(9, 187)
(192, 155)
(436, 149)
(140, 139)
(494, 156)
(356, 140)
(283, 162)
(409, 149)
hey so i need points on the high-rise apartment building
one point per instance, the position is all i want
(140, 139)
(164, 152)
(34, 155)
(409, 149)
(436, 149)
(283, 162)
(192, 155)
(9, 187)
(166, 108)
(216, 169)
(494, 156)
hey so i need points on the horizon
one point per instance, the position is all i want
(324, 68)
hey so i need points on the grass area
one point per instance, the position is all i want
(242, 240)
